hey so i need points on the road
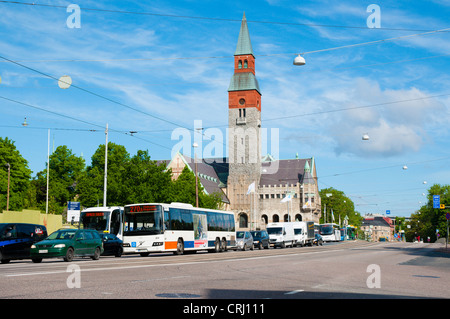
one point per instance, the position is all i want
(357, 269)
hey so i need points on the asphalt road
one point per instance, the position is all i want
(355, 270)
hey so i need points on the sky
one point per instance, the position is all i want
(155, 70)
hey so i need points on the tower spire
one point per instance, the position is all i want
(244, 46)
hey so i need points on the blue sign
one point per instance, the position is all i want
(436, 201)
(73, 205)
(388, 212)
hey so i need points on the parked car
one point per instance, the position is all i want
(67, 243)
(260, 239)
(244, 240)
(112, 245)
(17, 238)
(318, 240)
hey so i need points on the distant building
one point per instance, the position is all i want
(377, 227)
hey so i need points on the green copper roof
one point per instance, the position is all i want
(244, 81)
(244, 46)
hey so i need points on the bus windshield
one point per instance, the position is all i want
(95, 220)
(326, 229)
(143, 220)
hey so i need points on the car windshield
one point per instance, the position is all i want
(256, 234)
(62, 234)
(240, 234)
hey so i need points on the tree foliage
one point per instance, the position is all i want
(20, 176)
(342, 206)
(427, 219)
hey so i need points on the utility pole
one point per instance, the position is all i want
(7, 196)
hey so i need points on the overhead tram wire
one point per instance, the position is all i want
(431, 32)
(79, 120)
(210, 18)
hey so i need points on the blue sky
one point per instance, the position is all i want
(171, 64)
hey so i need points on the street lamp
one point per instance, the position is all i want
(299, 60)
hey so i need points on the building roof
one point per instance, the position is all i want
(279, 172)
(208, 176)
(375, 221)
(244, 81)
(244, 46)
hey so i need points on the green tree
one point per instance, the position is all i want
(146, 181)
(20, 176)
(427, 219)
(90, 187)
(184, 192)
(341, 205)
(65, 171)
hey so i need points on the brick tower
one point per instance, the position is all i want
(244, 137)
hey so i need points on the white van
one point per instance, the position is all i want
(303, 233)
(281, 234)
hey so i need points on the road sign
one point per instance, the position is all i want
(447, 216)
(442, 206)
(436, 201)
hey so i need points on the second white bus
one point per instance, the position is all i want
(330, 232)
(177, 228)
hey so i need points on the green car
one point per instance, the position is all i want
(67, 243)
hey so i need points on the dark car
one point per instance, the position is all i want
(318, 240)
(112, 245)
(67, 243)
(260, 239)
(17, 238)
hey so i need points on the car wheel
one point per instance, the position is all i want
(119, 252)
(96, 254)
(69, 254)
(36, 260)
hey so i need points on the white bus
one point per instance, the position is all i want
(177, 228)
(330, 232)
(103, 219)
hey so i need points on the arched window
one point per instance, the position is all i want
(265, 219)
(298, 218)
(286, 218)
(245, 64)
(240, 64)
(243, 220)
(275, 218)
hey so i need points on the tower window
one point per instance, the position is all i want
(240, 64)
(245, 64)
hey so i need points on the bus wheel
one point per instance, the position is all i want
(224, 245)
(180, 247)
(217, 245)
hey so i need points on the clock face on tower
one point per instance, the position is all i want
(242, 101)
